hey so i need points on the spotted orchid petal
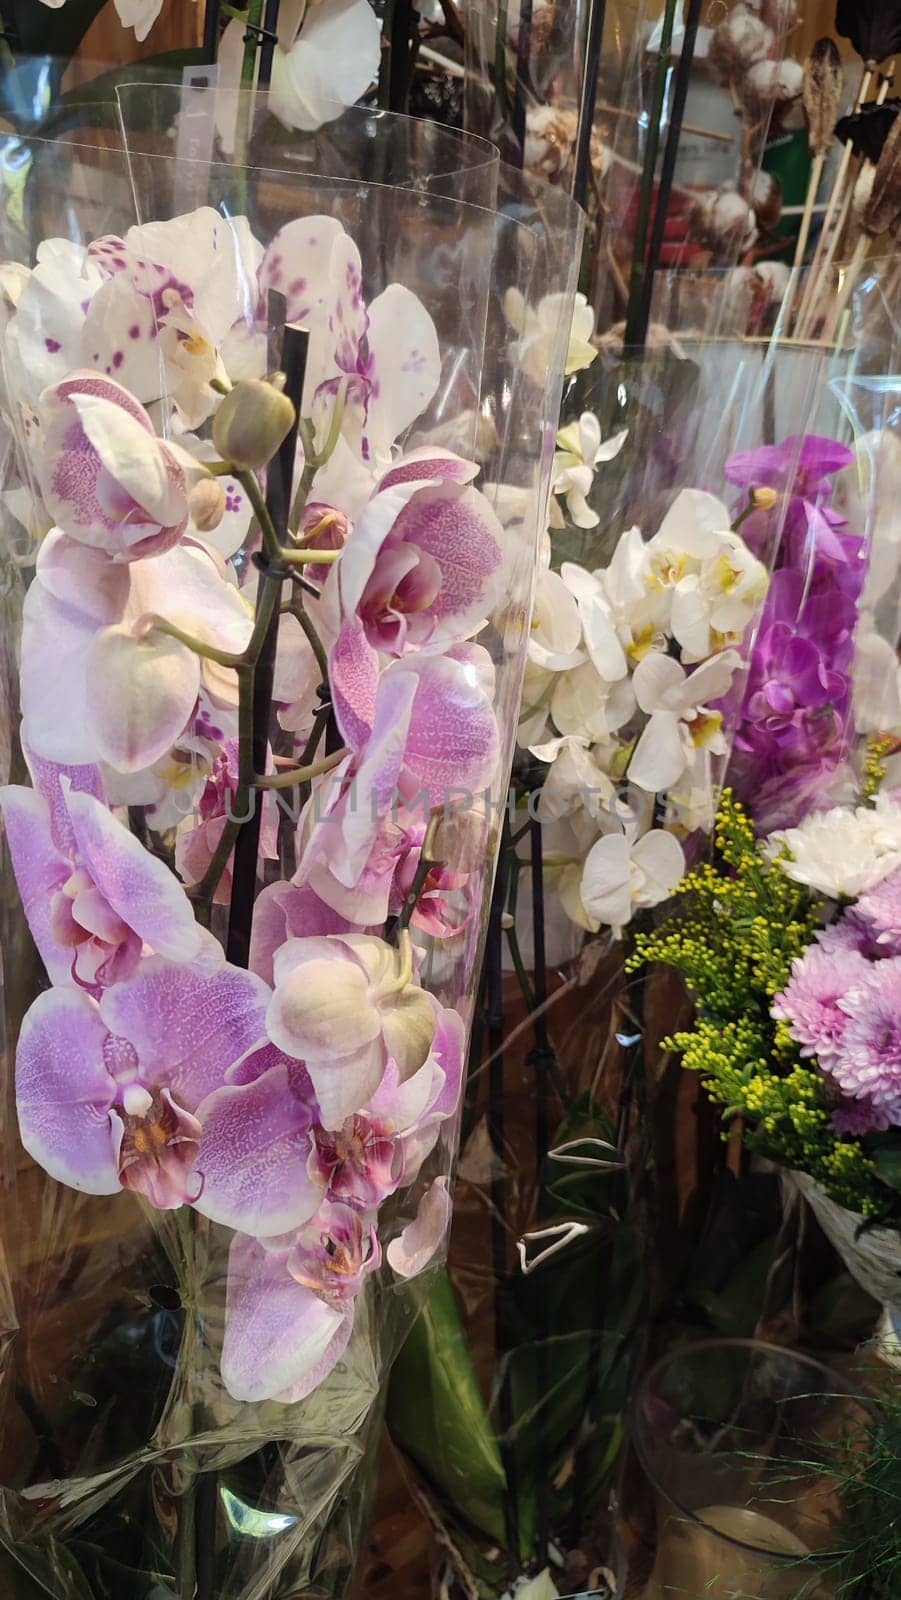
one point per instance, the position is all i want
(86, 899)
(65, 1092)
(254, 1153)
(188, 1023)
(405, 367)
(421, 566)
(281, 1340)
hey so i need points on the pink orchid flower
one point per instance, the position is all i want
(345, 1005)
(382, 1147)
(421, 732)
(96, 684)
(130, 1092)
(421, 567)
(93, 897)
(106, 479)
(290, 1306)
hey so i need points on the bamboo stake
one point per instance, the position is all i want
(819, 273)
(823, 85)
(835, 196)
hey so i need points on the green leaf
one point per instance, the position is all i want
(888, 1165)
(437, 1417)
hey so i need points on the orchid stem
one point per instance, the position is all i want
(309, 627)
(296, 775)
(300, 558)
(250, 484)
(209, 652)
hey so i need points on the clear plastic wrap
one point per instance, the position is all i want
(141, 1456)
(587, 1160)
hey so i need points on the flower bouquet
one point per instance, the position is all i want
(787, 942)
(789, 946)
(271, 634)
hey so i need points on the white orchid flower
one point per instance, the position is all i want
(704, 575)
(329, 64)
(584, 703)
(599, 623)
(623, 874)
(539, 327)
(574, 777)
(679, 722)
(580, 451)
(556, 631)
(327, 56)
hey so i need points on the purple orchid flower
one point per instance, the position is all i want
(290, 1305)
(196, 847)
(150, 1089)
(800, 469)
(796, 723)
(93, 897)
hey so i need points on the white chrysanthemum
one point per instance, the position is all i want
(841, 853)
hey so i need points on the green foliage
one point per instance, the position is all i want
(437, 1417)
(736, 930)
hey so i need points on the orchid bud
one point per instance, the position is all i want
(206, 504)
(251, 423)
(764, 499)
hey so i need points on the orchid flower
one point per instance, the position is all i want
(382, 1147)
(421, 567)
(195, 847)
(107, 480)
(705, 573)
(384, 355)
(155, 311)
(623, 874)
(541, 332)
(329, 64)
(419, 1242)
(344, 1005)
(573, 778)
(97, 684)
(113, 1093)
(579, 451)
(679, 720)
(93, 897)
(418, 732)
(290, 1306)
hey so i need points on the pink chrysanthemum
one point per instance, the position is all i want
(858, 1117)
(878, 912)
(810, 1001)
(868, 1064)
